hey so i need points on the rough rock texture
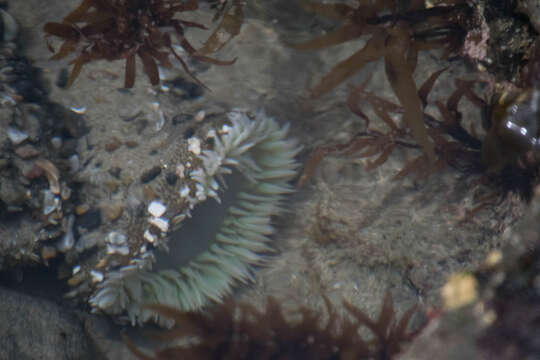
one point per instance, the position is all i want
(450, 337)
(33, 328)
(105, 336)
(531, 8)
(350, 233)
(509, 37)
(502, 323)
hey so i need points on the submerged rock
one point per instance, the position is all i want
(33, 328)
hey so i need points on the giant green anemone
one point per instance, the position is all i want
(256, 158)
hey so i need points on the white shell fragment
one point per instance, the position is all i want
(211, 134)
(68, 240)
(184, 191)
(116, 238)
(194, 145)
(161, 223)
(180, 171)
(76, 269)
(49, 203)
(97, 276)
(113, 249)
(160, 120)
(16, 136)
(78, 110)
(156, 208)
(200, 116)
(53, 175)
(149, 236)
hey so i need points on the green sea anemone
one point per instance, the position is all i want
(258, 148)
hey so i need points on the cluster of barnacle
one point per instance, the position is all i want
(120, 29)
(36, 198)
(240, 331)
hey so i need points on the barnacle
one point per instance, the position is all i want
(398, 30)
(264, 158)
(239, 331)
(121, 29)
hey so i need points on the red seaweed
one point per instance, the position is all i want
(398, 31)
(239, 331)
(123, 30)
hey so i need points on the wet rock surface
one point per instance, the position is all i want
(502, 320)
(350, 234)
(34, 328)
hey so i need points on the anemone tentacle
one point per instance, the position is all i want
(260, 151)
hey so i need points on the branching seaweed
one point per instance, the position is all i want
(232, 17)
(239, 331)
(454, 145)
(398, 31)
(120, 29)
(507, 158)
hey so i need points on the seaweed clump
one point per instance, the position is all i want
(398, 31)
(454, 145)
(239, 331)
(507, 156)
(124, 29)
